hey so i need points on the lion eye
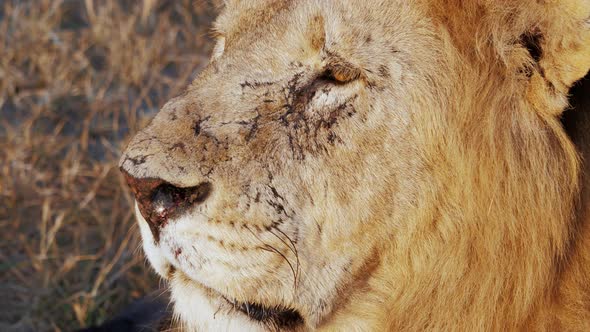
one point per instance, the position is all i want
(341, 74)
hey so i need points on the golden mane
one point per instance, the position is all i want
(508, 180)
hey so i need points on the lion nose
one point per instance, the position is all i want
(158, 200)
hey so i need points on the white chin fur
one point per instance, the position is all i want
(199, 313)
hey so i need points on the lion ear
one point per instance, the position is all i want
(559, 45)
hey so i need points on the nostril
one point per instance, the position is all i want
(163, 201)
(158, 201)
(168, 200)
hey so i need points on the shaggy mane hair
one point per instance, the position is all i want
(508, 180)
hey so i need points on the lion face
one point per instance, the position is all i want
(291, 164)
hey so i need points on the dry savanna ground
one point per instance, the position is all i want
(77, 79)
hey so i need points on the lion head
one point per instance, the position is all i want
(371, 165)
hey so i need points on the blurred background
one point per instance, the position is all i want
(77, 79)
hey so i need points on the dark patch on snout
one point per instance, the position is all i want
(256, 84)
(158, 201)
(139, 160)
(178, 146)
(307, 132)
(198, 125)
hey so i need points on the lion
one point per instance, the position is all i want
(378, 165)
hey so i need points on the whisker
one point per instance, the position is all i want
(293, 249)
(270, 248)
(273, 249)
(217, 311)
(284, 242)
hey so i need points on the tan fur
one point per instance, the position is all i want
(428, 186)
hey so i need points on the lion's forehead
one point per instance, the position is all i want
(241, 17)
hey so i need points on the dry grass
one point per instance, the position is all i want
(77, 78)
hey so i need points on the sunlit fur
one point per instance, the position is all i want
(434, 190)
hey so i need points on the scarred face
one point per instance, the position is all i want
(264, 175)
(269, 191)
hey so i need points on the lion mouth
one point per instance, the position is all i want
(277, 316)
